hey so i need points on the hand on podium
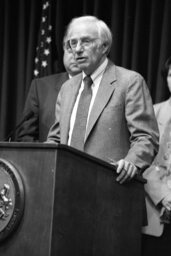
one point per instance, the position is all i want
(125, 170)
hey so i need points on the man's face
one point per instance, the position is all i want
(169, 79)
(70, 63)
(88, 49)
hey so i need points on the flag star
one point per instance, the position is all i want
(46, 52)
(44, 63)
(43, 32)
(43, 19)
(36, 60)
(47, 4)
(50, 27)
(36, 72)
(48, 39)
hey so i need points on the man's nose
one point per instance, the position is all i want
(79, 46)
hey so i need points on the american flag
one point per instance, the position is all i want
(44, 48)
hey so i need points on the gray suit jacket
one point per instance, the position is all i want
(41, 100)
(122, 122)
(158, 181)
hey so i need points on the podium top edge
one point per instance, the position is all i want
(44, 146)
(27, 145)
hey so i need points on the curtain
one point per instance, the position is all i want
(18, 32)
(141, 41)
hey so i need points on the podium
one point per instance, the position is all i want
(71, 204)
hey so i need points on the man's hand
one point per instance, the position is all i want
(166, 202)
(126, 171)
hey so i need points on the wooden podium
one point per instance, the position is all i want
(72, 205)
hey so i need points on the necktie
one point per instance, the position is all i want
(78, 134)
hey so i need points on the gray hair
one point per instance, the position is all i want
(104, 32)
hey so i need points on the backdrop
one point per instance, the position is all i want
(141, 41)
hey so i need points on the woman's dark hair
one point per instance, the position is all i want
(165, 69)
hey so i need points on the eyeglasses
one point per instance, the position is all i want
(66, 47)
(83, 42)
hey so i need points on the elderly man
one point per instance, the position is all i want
(107, 110)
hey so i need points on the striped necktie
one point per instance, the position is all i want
(78, 134)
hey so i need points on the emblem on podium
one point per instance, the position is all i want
(11, 199)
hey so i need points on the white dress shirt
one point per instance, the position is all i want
(96, 78)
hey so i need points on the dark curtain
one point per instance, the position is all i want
(141, 41)
(19, 24)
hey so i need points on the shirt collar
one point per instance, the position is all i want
(70, 76)
(98, 71)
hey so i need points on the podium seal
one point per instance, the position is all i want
(11, 199)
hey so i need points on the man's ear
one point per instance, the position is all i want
(105, 47)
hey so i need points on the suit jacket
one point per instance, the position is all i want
(41, 100)
(121, 123)
(158, 180)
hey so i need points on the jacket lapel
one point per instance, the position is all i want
(68, 104)
(106, 89)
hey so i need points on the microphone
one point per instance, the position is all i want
(25, 118)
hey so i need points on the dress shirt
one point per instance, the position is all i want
(96, 78)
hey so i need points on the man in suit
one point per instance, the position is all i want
(157, 234)
(121, 127)
(41, 100)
